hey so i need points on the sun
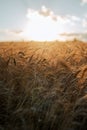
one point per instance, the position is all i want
(43, 26)
(40, 32)
(45, 30)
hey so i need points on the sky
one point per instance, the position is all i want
(43, 20)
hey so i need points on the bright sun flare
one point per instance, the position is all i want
(44, 25)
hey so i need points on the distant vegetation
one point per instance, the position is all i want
(43, 86)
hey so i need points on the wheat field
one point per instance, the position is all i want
(43, 86)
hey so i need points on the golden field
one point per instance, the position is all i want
(43, 85)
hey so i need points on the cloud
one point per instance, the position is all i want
(48, 12)
(84, 21)
(45, 11)
(9, 32)
(75, 18)
(4, 31)
(44, 24)
(79, 36)
(83, 2)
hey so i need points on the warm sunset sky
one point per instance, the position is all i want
(43, 19)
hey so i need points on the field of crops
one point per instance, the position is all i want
(43, 86)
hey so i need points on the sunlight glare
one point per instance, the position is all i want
(43, 28)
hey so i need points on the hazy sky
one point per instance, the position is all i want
(43, 19)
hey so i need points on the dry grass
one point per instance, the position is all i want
(40, 84)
